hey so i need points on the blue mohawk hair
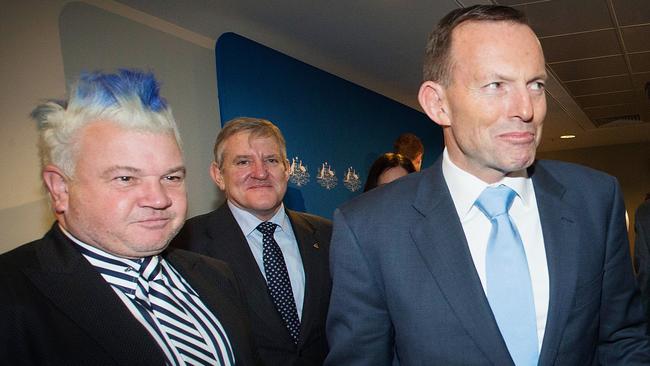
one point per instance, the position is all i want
(129, 98)
(109, 89)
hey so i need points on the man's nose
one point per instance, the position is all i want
(155, 195)
(260, 170)
(522, 105)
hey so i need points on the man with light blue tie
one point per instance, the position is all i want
(488, 257)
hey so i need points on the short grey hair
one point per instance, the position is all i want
(257, 127)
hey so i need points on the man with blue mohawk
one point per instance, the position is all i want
(101, 287)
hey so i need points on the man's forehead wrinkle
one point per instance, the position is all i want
(258, 136)
(505, 72)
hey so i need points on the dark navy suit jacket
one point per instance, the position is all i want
(405, 286)
(642, 253)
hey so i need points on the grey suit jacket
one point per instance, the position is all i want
(218, 235)
(405, 286)
(56, 309)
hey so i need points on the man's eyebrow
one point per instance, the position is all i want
(241, 156)
(502, 76)
(540, 76)
(250, 156)
(120, 168)
(178, 169)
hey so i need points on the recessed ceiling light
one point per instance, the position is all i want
(568, 136)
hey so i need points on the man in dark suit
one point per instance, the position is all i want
(642, 253)
(100, 288)
(284, 273)
(487, 257)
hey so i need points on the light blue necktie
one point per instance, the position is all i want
(509, 288)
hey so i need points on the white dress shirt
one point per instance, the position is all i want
(465, 189)
(285, 238)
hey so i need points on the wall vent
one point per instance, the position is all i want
(617, 120)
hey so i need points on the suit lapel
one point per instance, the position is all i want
(441, 241)
(211, 291)
(78, 290)
(233, 249)
(561, 239)
(310, 253)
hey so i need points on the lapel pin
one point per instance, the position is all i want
(316, 246)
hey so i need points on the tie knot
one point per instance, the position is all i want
(150, 268)
(267, 228)
(495, 201)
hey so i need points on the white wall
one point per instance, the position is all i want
(31, 69)
(39, 56)
(97, 39)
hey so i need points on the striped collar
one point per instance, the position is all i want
(162, 301)
(122, 273)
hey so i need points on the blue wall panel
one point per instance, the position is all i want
(323, 118)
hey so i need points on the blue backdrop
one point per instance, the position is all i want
(323, 118)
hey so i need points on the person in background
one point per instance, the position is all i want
(488, 257)
(387, 168)
(101, 287)
(642, 252)
(279, 255)
(410, 146)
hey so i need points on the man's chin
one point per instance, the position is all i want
(263, 200)
(152, 242)
(152, 248)
(137, 249)
(264, 212)
(521, 162)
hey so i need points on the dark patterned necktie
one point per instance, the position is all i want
(277, 280)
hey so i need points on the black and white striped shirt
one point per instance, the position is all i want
(166, 305)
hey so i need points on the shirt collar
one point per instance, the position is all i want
(465, 188)
(122, 273)
(249, 222)
(103, 255)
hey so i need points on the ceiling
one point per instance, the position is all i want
(597, 51)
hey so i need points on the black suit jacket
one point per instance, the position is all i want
(642, 254)
(56, 309)
(218, 235)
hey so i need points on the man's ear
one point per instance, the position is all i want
(432, 98)
(57, 186)
(217, 177)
